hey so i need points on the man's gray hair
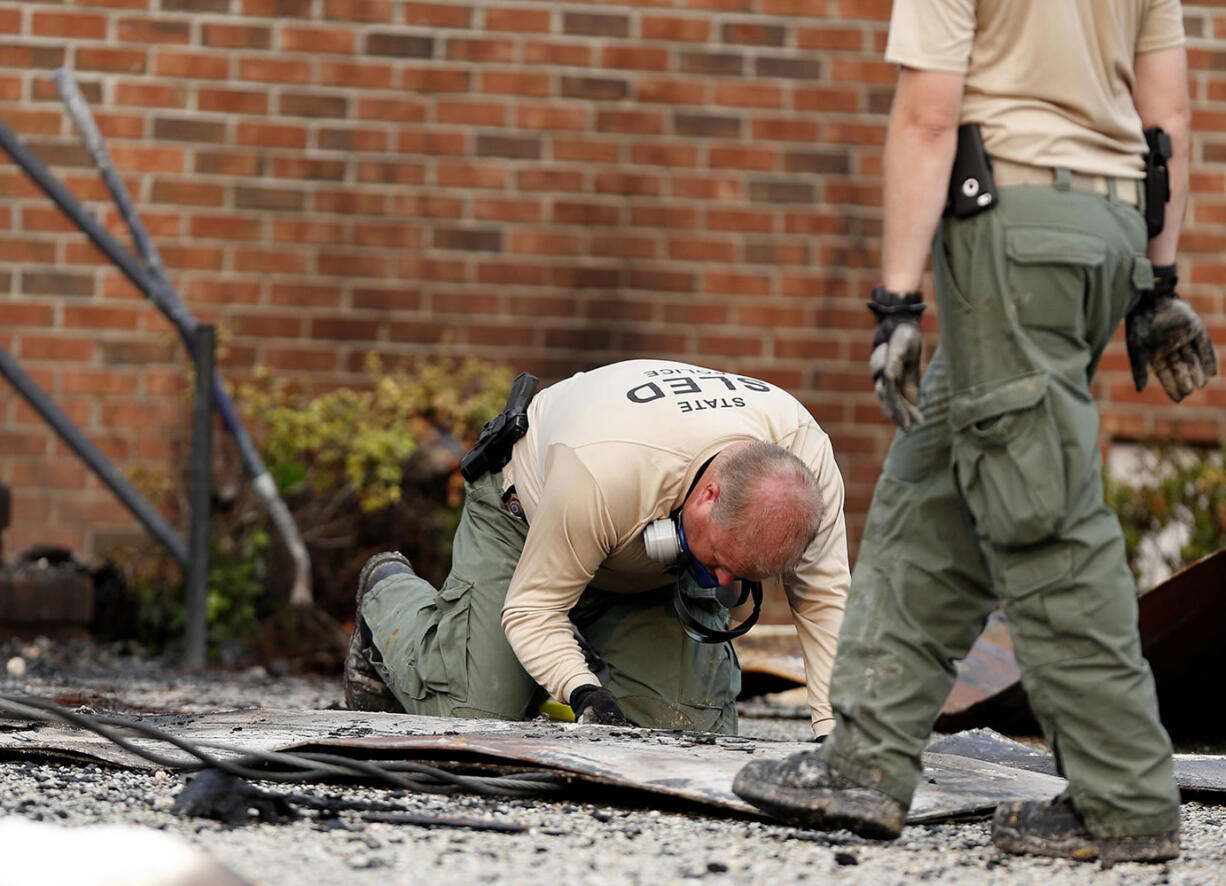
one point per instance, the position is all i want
(771, 497)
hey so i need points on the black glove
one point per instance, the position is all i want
(1164, 332)
(595, 704)
(895, 361)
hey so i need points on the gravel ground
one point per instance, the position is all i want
(567, 842)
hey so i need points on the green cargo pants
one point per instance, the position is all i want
(998, 497)
(443, 652)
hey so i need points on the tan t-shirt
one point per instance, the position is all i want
(611, 450)
(1049, 81)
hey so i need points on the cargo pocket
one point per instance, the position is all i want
(1047, 274)
(1008, 460)
(441, 664)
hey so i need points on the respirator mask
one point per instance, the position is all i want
(665, 543)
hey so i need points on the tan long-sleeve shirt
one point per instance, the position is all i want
(609, 451)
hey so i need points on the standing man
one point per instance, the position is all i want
(591, 557)
(993, 492)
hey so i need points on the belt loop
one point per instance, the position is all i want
(1113, 193)
(1064, 178)
(1140, 189)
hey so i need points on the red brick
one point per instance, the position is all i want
(749, 95)
(676, 28)
(352, 264)
(511, 82)
(664, 215)
(516, 18)
(382, 11)
(150, 95)
(274, 70)
(153, 30)
(356, 74)
(568, 212)
(216, 162)
(630, 121)
(73, 25)
(552, 53)
(192, 192)
(352, 138)
(298, 38)
(350, 201)
(226, 227)
(18, 314)
(830, 38)
(232, 101)
(472, 113)
(461, 49)
(303, 357)
(507, 210)
(225, 36)
(634, 58)
(436, 80)
(701, 249)
(663, 155)
(542, 242)
(101, 317)
(624, 246)
(305, 295)
(271, 135)
(191, 65)
(673, 92)
(471, 175)
(57, 347)
(749, 220)
(391, 110)
(390, 173)
(271, 261)
(585, 150)
(552, 117)
(193, 258)
(626, 183)
(436, 15)
(20, 55)
(705, 187)
(783, 129)
(27, 121)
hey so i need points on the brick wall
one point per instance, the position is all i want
(554, 185)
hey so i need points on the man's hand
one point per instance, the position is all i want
(895, 360)
(595, 704)
(1164, 332)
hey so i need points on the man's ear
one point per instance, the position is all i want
(708, 493)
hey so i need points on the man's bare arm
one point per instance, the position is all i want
(1161, 98)
(919, 154)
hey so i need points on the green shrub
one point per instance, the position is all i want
(361, 469)
(1181, 485)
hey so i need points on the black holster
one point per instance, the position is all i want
(1157, 179)
(492, 450)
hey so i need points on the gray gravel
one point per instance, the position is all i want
(568, 841)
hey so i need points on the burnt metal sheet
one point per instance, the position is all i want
(1199, 776)
(690, 768)
(1181, 620)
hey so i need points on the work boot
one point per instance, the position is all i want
(803, 790)
(364, 688)
(1054, 828)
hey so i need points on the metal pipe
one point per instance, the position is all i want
(157, 288)
(93, 457)
(199, 492)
